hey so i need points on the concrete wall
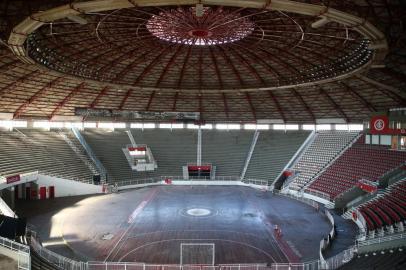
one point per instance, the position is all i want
(65, 187)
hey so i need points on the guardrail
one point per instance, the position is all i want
(142, 266)
(160, 179)
(89, 151)
(313, 265)
(54, 258)
(318, 193)
(378, 240)
(21, 252)
(330, 263)
(302, 199)
(340, 259)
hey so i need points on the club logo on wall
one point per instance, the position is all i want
(379, 124)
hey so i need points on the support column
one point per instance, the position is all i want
(199, 147)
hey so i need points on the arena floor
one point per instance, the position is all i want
(149, 224)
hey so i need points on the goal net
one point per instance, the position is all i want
(197, 253)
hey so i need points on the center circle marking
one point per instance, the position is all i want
(198, 212)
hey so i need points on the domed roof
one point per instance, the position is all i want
(240, 61)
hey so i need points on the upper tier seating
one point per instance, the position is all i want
(390, 260)
(40, 150)
(171, 149)
(325, 147)
(273, 151)
(361, 161)
(386, 210)
(227, 150)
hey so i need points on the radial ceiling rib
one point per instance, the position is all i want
(61, 104)
(258, 58)
(98, 97)
(390, 91)
(307, 108)
(23, 107)
(254, 113)
(183, 69)
(151, 97)
(225, 104)
(214, 61)
(278, 105)
(151, 65)
(249, 67)
(175, 100)
(11, 85)
(335, 105)
(168, 65)
(359, 97)
(399, 76)
(231, 66)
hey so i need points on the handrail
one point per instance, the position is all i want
(341, 258)
(54, 258)
(15, 246)
(21, 251)
(250, 153)
(151, 180)
(378, 240)
(89, 151)
(299, 153)
(317, 193)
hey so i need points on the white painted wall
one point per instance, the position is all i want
(64, 187)
(197, 183)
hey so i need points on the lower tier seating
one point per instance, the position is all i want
(272, 152)
(325, 147)
(39, 263)
(361, 161)
(386, 210)
(388, 260)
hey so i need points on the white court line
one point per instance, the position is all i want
(181, 239)
(135, 213)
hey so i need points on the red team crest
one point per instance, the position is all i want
(379, 124)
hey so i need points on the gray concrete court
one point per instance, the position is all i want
(149, 224)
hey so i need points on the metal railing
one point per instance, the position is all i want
(313, 265)
(89, 151)
(340, 259)
(54, 258)
(302, 199)
(379, 240)
(317, 193)
(137, 182)
(22, 252)
(156, 180)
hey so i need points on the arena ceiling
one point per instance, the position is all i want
(297, 61)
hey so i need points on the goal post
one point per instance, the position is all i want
(197, 253)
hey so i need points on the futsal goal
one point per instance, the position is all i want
(197, 253)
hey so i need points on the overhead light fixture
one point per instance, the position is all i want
(320, 23)
(77, 19)
(199, 10)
